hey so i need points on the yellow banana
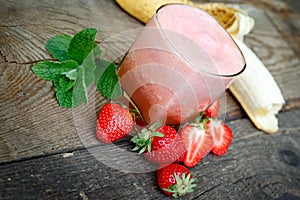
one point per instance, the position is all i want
(143, 10)
(227, 16)
(260, 103)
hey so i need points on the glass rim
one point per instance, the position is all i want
(226, 32)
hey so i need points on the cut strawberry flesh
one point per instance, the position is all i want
(222, 136)
(198, 143)
(222, 145)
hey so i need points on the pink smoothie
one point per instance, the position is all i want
(180, 63)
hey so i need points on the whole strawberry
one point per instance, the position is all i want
(160, 144)
(175, 180)
(114, 122)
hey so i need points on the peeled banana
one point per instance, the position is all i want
(257, 92)
(255, 89)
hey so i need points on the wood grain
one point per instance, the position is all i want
(33, 124)
(25, 27)
(47, 152)
(256, 166)
(275, 52)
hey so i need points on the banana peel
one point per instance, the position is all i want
(255, 89)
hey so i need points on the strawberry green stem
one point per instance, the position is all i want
(183, 185)
(135, 110)
(143, 139)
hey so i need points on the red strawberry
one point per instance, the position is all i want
(181, 158)
(114, 122)
(175, 180)
(160, 144)
(222, 136)
(198, 143)
(213, 110)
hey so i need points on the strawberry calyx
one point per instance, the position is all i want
(143, 139)
(200, 122)
(183, 185)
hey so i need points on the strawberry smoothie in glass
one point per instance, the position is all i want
(179, 64)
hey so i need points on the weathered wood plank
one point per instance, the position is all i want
(257, 166)
(275, 52)
(31, 121)
(26, 26)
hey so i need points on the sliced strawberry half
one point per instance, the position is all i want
(198, 143)
(221, 134)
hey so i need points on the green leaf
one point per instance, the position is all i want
(89, 68)
(82, 45)
(72, 74)
(80, 89)
(51, 71)
(101, 65)
(97, 51)
(58, 46)
(65, 83)
(65, 98)
(70, 93)
(108, 80)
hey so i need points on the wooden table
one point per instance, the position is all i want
(43, 156)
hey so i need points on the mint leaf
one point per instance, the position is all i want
(72, 74)
(80, 89)
(101, 66)
(58, 46)
(51, 71)
(70, 93)
(97, 51)
(64, 91)
(64, 98)
(65, 83)
(89, 69)
(108, 79)
(82, 45)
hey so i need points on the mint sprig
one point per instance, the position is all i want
(75, 68)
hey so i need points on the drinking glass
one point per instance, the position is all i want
(180, 63)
